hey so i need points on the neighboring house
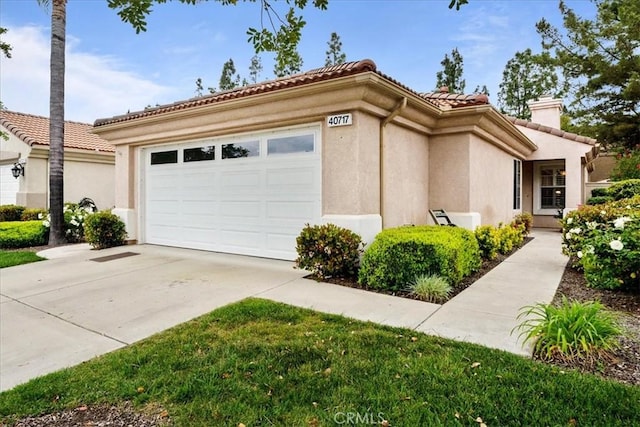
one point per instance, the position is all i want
(242, 171)
(89, 162)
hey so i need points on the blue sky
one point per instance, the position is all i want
(111, 69)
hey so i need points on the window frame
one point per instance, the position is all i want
(517, 184)
(538, 187)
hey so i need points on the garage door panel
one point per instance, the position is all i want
(254, 206)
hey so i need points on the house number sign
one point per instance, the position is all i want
(339, 120)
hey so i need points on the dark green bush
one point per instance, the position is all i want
(598, 200)
(328, 251)
(11, 212)
(624, 189)
(398, 255)
(488, 241)
(33, 214)
(104, 230)
(602, 191)
(22, 234)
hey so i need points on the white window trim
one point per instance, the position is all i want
(517, 208)
(537, 202)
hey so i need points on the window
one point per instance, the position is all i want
(199, 154)
(552, 187)
(244, 149)
(164, 157)
(517, 179)
(290, 144)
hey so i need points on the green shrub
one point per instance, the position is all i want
(509, 237)
(627, 165)
(328, 251)
(601, 191)
(11, 212)
(624, 189)
(74, 217)
(571, 331)
(398, 255)
(22, 234)
(104, 230)
(599, 200)
(605, 241)
(488, 242)
(524, 219)
(431, 288)
(33, 214)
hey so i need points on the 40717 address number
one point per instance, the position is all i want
(339, 120)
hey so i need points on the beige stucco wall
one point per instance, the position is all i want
(449, 184)
(406, 177)
(491, 189)
(351, 166)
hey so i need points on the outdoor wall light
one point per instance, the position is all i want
(17, 169)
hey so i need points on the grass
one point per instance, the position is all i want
(266, 364)
(11, 258)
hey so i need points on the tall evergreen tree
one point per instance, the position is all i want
(451, 75)
(525, 78)
(229, 79)
(255, 69)
(601, 60)
(335, 56)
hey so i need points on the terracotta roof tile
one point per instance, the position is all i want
(447, 100)
(34, 130)
(552, 131)
(319, 74)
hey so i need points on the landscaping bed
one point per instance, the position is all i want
(625, 365)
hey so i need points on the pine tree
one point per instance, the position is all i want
(335, 56)
(255, 69)
(229, 79)
(451, 75)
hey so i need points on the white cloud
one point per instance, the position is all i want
(96, 86)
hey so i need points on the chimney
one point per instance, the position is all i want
(546, 111)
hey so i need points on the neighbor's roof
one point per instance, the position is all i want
(552, 131)
(444, 101)
(34, 130)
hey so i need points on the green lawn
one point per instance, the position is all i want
(11, 258)
(266, 364)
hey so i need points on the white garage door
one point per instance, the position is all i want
(248, 195)
(9, 186)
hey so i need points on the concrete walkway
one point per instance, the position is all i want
(83, 303)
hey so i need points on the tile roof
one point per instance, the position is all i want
(34, 130)
(442, 101)
(552, 131)
(445, 100)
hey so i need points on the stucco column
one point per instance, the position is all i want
(125, 170)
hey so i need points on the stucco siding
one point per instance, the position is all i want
(351, 167)
(491, 182)
(449, 160)
(406, 177)
(93, 180)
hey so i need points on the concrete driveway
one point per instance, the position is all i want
(82, 303)
(60, 312)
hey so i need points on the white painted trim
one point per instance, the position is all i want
(538, 165)
(468, 220)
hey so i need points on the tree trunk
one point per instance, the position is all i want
(56, 122)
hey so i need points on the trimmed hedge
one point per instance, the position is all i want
(22, 234)
(11, 212)
(398, 255)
